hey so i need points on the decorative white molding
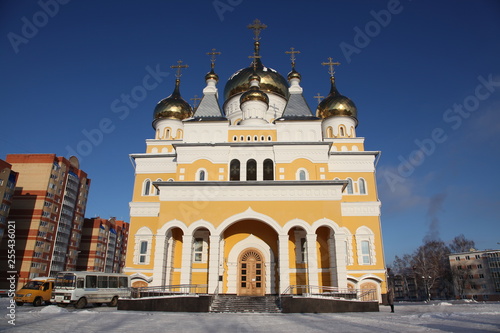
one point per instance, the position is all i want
(257, 192)
(370, 208)
(144, 209)
(351, 163)
(145, 164)
(316, 153)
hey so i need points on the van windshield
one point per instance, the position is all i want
(65, 281)
(35, 285)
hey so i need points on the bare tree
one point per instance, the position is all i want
(461, 244)
(461, 278)
(430, 263)
(402, 267)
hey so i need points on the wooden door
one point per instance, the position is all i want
(251, 274)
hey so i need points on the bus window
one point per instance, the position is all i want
(123, 282)
(91, 281)
(113, 282)
(65, 280)
(102, 282)
(79, 283)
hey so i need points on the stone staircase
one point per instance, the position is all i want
(233, 303)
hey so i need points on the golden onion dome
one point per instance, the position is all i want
(173, 107)
(294, 74)
(336, 104)
(270, 81)
(212, 75)
(254, 94)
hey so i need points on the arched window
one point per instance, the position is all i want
(302, 174)
(235, 138)
(349, 186)
(329, 132)
(201, 175)
(167, 133)
(268, 170)
(365, 240)
(342, 131)
(234, 170)
(179, 134)
(362, 186)
(251, 170)
(157, 189)
(146, 187)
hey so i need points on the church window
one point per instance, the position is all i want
(179, 134)
(255, 138)
(198, 250)
(303, 250)
(249, 138)
(302, 174)
(146, 187)
(167, 133)
(349, 186)
(342, 131)
(268, 170)
(242, 138)
(262, 138)
(157, 190)
(234, 170)
(362, 186)
(329, 132)
(251, 170)
(235, 138)
(269, 138)
(201, 175)
(143, 252)
(365, 251)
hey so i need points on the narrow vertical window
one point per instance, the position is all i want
(302, 175)
(342, 131)
(251, 170)
(365, 252)
(268, 170)
(303, 250)
(349, 186)
(147, 187)
(202, 175)
(362, 186)
(143, 252)
(329, 132)
(234, 170)
(198, 249)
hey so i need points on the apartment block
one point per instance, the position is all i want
(8, 179)
(48, 210)
(103, 246)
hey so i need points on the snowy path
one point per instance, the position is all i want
(409, 317)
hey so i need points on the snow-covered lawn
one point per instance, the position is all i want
(447, 316)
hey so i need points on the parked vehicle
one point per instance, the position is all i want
(37, 291)
(81, 288)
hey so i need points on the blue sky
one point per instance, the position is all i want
(424, 75)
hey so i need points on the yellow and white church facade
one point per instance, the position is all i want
(258, 195)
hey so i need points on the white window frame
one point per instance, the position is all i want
(365, 234)
(144, 234)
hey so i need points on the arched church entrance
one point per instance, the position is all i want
(251, 273)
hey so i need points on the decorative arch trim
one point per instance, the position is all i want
(246, 215)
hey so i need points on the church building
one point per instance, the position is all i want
(252, 191)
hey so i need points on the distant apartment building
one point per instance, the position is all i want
(476, 274)
(48, 209)
(103, 246)
(8, 179)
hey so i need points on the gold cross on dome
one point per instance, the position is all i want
(179, 67)
(330, 64)
(195, 100)
(292, 53)
(318, 97)
(213, 54)
(256, 26)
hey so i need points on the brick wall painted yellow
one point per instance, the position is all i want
(199, 278)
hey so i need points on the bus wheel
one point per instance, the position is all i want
(19, 303)
(37, 301)
(82, 302)
(114, 302)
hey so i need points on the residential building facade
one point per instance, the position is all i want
(48, 210)
(103, 246)
(8, 180)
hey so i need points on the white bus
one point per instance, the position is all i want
(81, 288)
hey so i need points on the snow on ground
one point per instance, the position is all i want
(447, 316)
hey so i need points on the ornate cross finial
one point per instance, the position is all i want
(179, 67)
(330, 64)
(257, 26)
(195, 100)
(318, 97)
(213, 54)
(255, 57)
(292, 53)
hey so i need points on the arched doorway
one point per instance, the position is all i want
(251, 273)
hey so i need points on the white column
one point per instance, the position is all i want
(284, 261)
(340, 256)
(159, 264)
(213, 263)
(312, 260)
(187, 248)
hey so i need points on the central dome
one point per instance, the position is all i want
(270, 81)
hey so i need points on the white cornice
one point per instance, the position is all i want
(144, 209)
(371, 208)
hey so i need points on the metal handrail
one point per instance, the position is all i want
(330, 292)
(171, 290)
